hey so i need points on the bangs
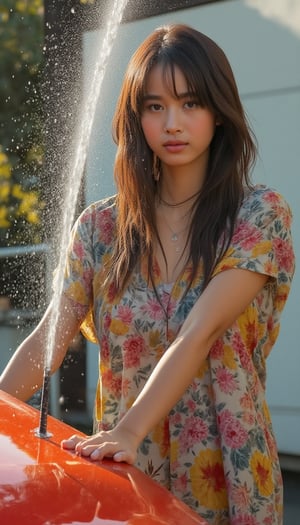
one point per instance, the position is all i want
(195, 81)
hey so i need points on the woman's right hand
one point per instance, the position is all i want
(118, 444)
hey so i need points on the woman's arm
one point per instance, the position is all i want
(224, 299)
(24, 373)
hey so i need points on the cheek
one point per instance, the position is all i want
(206, 129)
(149, 129)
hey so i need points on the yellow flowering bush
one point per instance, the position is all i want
(20, 209)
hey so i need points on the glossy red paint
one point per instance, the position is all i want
(42, 484)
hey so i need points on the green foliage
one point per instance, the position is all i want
(21, 145)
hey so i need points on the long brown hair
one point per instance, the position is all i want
(232, 152)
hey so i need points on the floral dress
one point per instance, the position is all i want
(216, 449)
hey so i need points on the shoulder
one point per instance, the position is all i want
(263, 203)
(102, 208)
(96, 224)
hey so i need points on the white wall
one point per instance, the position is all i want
(262, 41)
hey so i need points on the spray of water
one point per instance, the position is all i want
(75, 173)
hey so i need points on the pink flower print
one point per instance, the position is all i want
(78, 249)
(269, 520)
(86, 217)
(240, 495)
(247, 235)
(154, 310)
(234, 435)
(239, 347)
(87, 278)
(191, 405)
(175, 418)
(126, 384)
(246, 401)
(248, 418)
(133, 348)
(125, 314)
(245, 519)
(112, 292)
(223, 418)
(272, 197)
(270, 323)
(104, 224)
(284, 254)
(112, 382)
(170, 305)
(106, 321)
(271, 445)
(194, 431)
(217, 350)
(180, 483)
(104, 349)
(225, 380)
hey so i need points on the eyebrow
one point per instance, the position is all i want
(180, 96)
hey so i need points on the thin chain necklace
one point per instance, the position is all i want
(174, 235)
(177, 204)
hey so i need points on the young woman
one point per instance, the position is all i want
(181, 279)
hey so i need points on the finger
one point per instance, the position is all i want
(71, 442)
(124, 456)
(109, 450)
(97, 451)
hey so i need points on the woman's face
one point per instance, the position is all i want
(177, 129)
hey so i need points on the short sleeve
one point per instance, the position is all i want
(79, 268)
(262, 240)
(91, 239)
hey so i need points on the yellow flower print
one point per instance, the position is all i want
(261, 248)
(176, 292)
(154, 338)
(77, 292)
(270, 268)
(208, 480)
(202, 369)
(76, 267)
(281, 296)
(129, 402)
(117, 327)
(226, 263)
(248, 324)
(174, 447)
(88, 328)
(159, 351)
(228, 358)
(261, 467)
(100, 405)
(160, 435)
(266, 412)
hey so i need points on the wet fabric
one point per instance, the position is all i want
(216, 450)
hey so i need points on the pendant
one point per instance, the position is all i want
(174, 237)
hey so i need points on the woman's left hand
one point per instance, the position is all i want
(118, 444)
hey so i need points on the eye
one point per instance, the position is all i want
(155, 107)
(191, 104)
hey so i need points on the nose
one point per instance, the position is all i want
(172, 122)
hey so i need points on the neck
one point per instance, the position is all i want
(187, 200)
(179, 186)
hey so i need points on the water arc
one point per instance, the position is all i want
(75, 171)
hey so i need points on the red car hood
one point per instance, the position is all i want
(42, 484)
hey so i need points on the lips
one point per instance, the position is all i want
(174, 146)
